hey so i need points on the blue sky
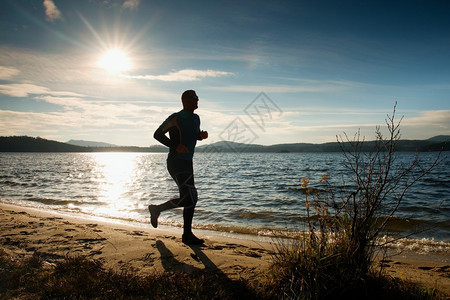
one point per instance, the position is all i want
(266, 72)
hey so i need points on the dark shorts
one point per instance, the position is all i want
(182, 172)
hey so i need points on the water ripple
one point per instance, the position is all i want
(261, 191)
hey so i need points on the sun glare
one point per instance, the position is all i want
(115, 61)
(115, 176)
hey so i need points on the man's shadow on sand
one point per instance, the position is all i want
(169, 262)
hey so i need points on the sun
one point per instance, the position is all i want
(115, 61)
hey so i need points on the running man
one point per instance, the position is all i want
(184, 131)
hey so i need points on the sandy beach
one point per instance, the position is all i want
(24, 231)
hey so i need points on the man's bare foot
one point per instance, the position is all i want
(191, 239)
(154, 215)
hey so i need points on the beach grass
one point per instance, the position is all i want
(336, 258)
(82, 278)
(301, 271)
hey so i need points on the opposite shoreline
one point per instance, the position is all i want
(145, 250)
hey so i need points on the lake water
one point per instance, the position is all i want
(255, 193)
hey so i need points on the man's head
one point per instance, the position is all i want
(190, 100)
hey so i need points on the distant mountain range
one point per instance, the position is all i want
(36, 144)
(89, 143)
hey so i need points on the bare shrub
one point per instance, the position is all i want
(336, 255)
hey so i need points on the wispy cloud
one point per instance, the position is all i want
(26, 89)
(131, 4)
(19, 123)
(8, 72)
(83, 116)
(52, 13)
(440, 118)
(184, 75)
(279, 88)
(297, 86)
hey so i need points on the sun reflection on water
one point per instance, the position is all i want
(115, 174)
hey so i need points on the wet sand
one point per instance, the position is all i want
(24, 231)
